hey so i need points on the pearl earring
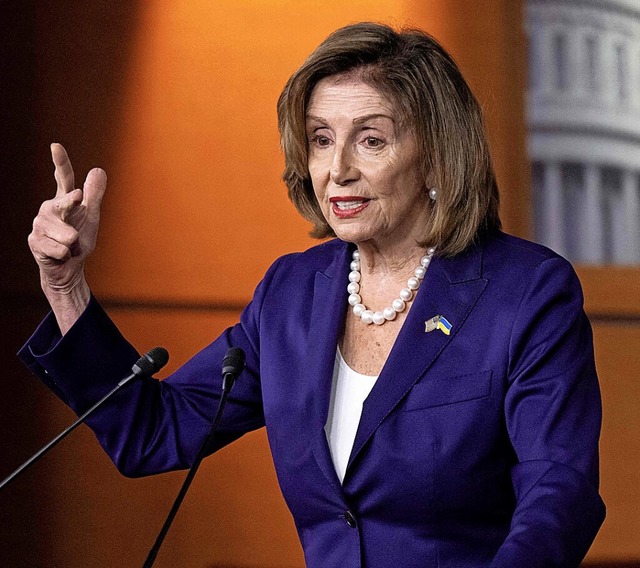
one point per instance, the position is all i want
(433, 193)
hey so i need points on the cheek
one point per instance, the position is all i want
(393, 183)
(388, 174)
(409, 178)
(317, 178)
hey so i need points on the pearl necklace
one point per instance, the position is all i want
(398, 305)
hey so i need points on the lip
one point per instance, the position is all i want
(352, 211)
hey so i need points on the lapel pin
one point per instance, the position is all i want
(438, 322)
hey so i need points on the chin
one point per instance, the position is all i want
(353, 235)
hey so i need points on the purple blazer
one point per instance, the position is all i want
(475, 449)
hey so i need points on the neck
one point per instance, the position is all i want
(388, 261)
(377, 283)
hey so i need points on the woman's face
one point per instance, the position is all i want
(364, 165)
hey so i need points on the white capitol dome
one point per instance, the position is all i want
(584, 127)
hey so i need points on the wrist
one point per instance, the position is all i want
(67, 302)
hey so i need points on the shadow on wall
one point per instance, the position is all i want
(51, 90)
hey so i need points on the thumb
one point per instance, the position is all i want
(93, 190)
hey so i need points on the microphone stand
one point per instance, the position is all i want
(229, 376)
(147, 365)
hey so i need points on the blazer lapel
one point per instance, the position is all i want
(451, 288)
(327, 319)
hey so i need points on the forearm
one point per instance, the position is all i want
(553, 416)
(557, 517)
(86, 363)
(69, 303)
(151, 426)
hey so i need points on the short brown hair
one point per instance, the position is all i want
(422, 81)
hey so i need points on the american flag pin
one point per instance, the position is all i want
(438, 322)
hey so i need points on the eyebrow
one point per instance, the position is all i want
(367, 117)
(358, 120)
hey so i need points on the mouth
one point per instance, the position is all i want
(348, 206)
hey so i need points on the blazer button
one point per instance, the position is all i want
(350, 519)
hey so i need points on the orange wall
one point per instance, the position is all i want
(176, 100)
(618, 359)
(197, 153)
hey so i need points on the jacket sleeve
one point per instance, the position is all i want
(150, 426)
(553, 417)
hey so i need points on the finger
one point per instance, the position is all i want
(94, 187)
(56, 233)
(55, 229)
(68, 207)
(58, 205)
(47, 250)
(64, 171)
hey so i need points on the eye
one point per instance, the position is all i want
(320, 140)
(373, 142)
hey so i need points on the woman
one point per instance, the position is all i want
(453, 423)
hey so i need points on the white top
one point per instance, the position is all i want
(348, 393)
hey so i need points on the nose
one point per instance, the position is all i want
(343, 169)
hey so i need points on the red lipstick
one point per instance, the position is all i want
(348, 206)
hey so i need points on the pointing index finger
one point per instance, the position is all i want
(64, 171)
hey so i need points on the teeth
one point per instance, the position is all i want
(346, 205)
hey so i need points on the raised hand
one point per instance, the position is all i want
(64, 235)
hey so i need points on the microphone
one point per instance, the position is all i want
(232, 365)
(150, 363)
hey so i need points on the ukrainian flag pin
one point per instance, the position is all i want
(438, 322)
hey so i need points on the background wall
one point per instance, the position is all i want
(176, 100)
